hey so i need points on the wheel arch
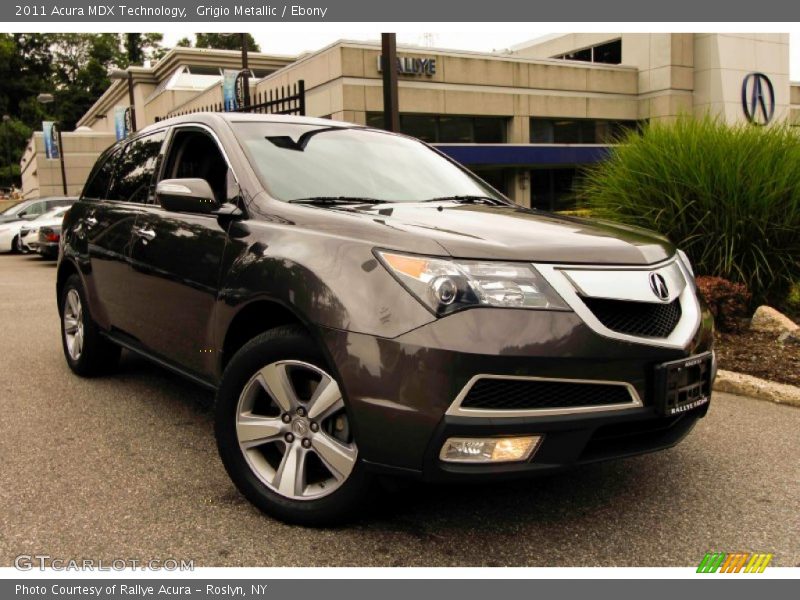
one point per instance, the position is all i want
(65, 270)
(258, 315)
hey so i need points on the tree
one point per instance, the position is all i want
(73, 67)
(81, 66)
(140, 47)
(225, 41)
(184, 42)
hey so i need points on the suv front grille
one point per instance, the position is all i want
(521, 394)
(636, 318)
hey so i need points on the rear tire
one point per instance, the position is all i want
(86, 351)
(283, 432)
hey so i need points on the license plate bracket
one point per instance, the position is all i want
(683, 385)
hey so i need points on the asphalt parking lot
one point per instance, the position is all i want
(126, 467)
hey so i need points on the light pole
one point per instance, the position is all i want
(391, 115)
(6, 119)
(127, 75)
(245, 71)
(47, 99)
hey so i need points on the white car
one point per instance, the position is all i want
(29, 232)
(10, 239)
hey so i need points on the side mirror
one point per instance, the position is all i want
(186, 195)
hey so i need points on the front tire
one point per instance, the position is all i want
(283, 432)
(17, 247)
(86, 351)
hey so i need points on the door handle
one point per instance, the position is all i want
(145, 234)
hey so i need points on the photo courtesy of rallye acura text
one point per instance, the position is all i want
(364, 306)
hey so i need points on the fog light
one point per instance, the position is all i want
(489, 450)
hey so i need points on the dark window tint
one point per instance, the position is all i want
(422, 127)
(610, 53)
(578, 131)
(447, 129)
(194, 153)
(584, 55)
(133, 176)
(100, 177)
(553, 189)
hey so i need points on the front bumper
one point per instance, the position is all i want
(399, 390)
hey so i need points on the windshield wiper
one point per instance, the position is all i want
(466, 199)
(334, 200)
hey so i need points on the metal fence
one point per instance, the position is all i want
(284, 100)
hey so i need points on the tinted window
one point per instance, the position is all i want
(133, 176)
(194, 153)
(553, 189)
(578, 131)
(448, 130)
(100, 177)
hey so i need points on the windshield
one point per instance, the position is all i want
(301, 162)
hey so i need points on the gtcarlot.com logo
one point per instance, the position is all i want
(737, 562)
(43, 562)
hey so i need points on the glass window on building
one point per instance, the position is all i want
(578, 131)
(609, 53)
(446, 129)
(497, 178)
(553, 189)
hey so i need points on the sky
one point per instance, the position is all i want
(289, 42)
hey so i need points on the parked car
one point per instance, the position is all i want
(14, 218)
(33, 208)
(363, 305)
(29, 239)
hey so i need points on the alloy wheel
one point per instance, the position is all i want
(73, 324)
(293, 430)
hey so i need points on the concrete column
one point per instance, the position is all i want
(519, 132)
(519, 187)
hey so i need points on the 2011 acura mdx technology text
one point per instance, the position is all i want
(363, 305)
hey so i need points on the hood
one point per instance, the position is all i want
(515, 233)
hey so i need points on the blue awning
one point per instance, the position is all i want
(524, 155)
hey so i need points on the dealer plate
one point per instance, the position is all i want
(683, 385)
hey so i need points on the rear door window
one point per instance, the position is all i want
(100, 177)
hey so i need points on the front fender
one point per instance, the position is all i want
(330, 281)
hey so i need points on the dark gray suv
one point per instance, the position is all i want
(363, 305)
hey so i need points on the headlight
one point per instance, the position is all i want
(686, 262)
(445, 286)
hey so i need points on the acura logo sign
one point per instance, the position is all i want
(758, 98)
(659, 286)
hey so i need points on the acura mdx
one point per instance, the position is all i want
(362, 305)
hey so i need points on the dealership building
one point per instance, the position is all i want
(527, 119)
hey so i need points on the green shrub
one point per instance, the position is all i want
(728, 196)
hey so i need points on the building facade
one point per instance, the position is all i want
(526, 119)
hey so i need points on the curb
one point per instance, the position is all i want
(761, 389)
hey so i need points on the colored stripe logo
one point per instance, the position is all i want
(737, 562)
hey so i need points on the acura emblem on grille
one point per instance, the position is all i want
(659, 286)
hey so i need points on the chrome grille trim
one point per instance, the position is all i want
(684, 331)
(456, 410)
